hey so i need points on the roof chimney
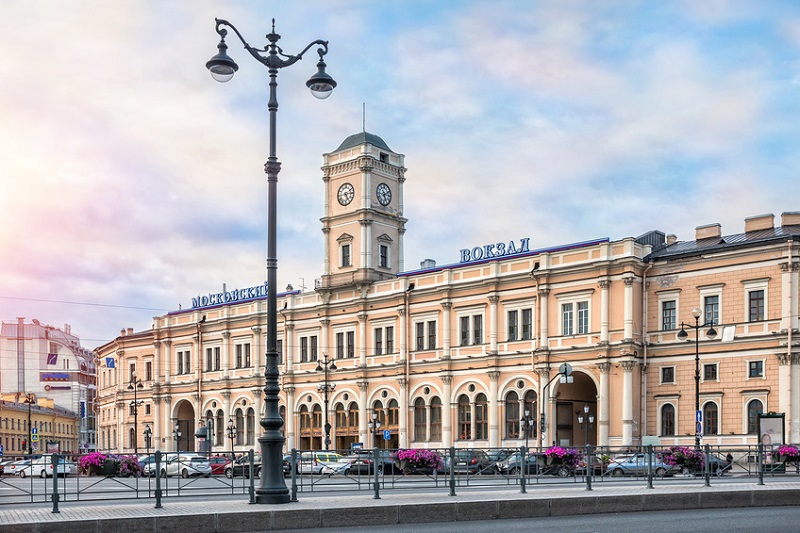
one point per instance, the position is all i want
(790, 218)
(671, 239)
(759, 222)
(130, 331)
(709, 231)
(427, 263)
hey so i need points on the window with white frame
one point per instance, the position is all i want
(425, 335)
(574, 308)
(668, 309)
(383, 340)
(519, 324)
(754, 408)
(710, 419)
(755, 300)
(471, 329)
(308, 348)
(345, 255)
(755, 369)
(711, 302)
(345, 344)
(667, 374)
(242, 355)
(710, 371)
(667, 420)
(383, 255)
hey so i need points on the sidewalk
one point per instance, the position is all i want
(237, 515)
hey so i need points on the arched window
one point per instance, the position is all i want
(512, 415)
(240, 429)
(220, 427)
(668, 420)
(352, 417)
(436, 419)
(305, 418)
(282, 413)
(754, 408)
(394, 414)
(132, 439)
(340, 415)
(377, 407)
(710, 419)
(481, 417)
(251, 426)
(464, 418)
(420, 420)
(316, 417)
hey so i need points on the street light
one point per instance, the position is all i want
(176, 435)
(134, 385)
(30, 398)
(586, 422)
(682, 335)
(528, 424)
(148, 434)
(375, 429)
(272, 487)
(232, 435)
(325, 387)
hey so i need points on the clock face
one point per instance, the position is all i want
(384, 194)
(346, 194)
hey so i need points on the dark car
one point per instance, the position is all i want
(717, 466)
(218, 464)
(512, 465)
(362, 462)
(472, 462)
(287, 465)
(241, 467)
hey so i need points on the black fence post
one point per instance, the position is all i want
(375, 480)
(294, 474)
(760, 464)
(55, 481)
(251, 460)
(589, 467)
(452, 470)
(158, 479)
(649, 466)
(523, 451)
(707, 465)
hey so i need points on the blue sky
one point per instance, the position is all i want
(131, 179)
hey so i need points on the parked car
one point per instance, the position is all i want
(186, 465)
(21, 468)
(500, 454)
(469, 461)
(3, 464)
(287, 464)
(313, 462)
(362, 462)
(241, 467)
(218, 464)
(41, 467)
(717, 466)
(512, 465)
(636, 465)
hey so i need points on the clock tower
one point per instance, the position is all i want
(363, 223)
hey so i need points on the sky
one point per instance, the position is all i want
(131, 181)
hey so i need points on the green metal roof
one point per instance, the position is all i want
(363, 138)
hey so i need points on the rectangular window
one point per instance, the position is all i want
(420, 329)
(390, 339)
(756, 305)
(383, 253)
(710, 372)
(668, 315)
(247, 361)
(711, 310)
(378, 341)
(566, 319)
(474, 335)
(312, 341)
(279, 349)
(217, 358)
(238, 360)
(755, 369)
(527, 324)
(345, 255)
(464, 331)
(583, 318)
(209, 359)
(431, 334)
(340, 345)
(513, 327)
(148, 371)
(351, 348)
(131, 371)
(477, 329)
(668, 374)
(303, 349)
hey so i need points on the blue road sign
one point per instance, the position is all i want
(34, 431)
(387, 435)
(698, 415)
(2, 450)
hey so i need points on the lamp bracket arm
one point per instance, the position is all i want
(289, 59)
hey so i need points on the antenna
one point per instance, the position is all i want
(363, 117)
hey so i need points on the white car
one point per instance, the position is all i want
(314, 462)
(186, 465)
(42, 467)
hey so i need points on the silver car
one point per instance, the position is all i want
(186, 465)
(636, 465)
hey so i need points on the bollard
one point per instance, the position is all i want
(649, 466)
(523, 451)
(589, 467)
(251, 460)
(375, 458)
(294, 474)
(707, 469)
(452, 470)
(55, 482)
(158, 479)
(760, 464)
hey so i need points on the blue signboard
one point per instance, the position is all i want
(387, 434)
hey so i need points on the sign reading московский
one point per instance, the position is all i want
(224, 297)
(487, 251)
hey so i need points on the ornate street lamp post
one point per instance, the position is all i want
(528, 425)
(325, 387)
(232, 435)
(272, 487)
(134, 385)
(30, 399)
(682, 335)
(176, 435)
(375, 429)
(586, 422)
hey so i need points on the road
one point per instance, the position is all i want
(750, 520)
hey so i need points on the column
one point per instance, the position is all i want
(167, 424)
(259, 354)
(604, 285)
(167, 357)
(427, 422)
(627, 402)
(366, 243)
(157, 422)
(363, 414)
(226, 354)
(157, 377)
(326, 261)
(403, 429)
(794, 399)
(362, 339)
(544, 378)
(447, 411)
(197, 350)
(784, 388)
(472, 434)
(446, 340)
(544, 343)
(290, 417)
(403, 333)
(494, 410)
(628, 335)
(602, 405)
(493, 299)
(324, 347)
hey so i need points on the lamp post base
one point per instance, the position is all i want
(276, 498)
